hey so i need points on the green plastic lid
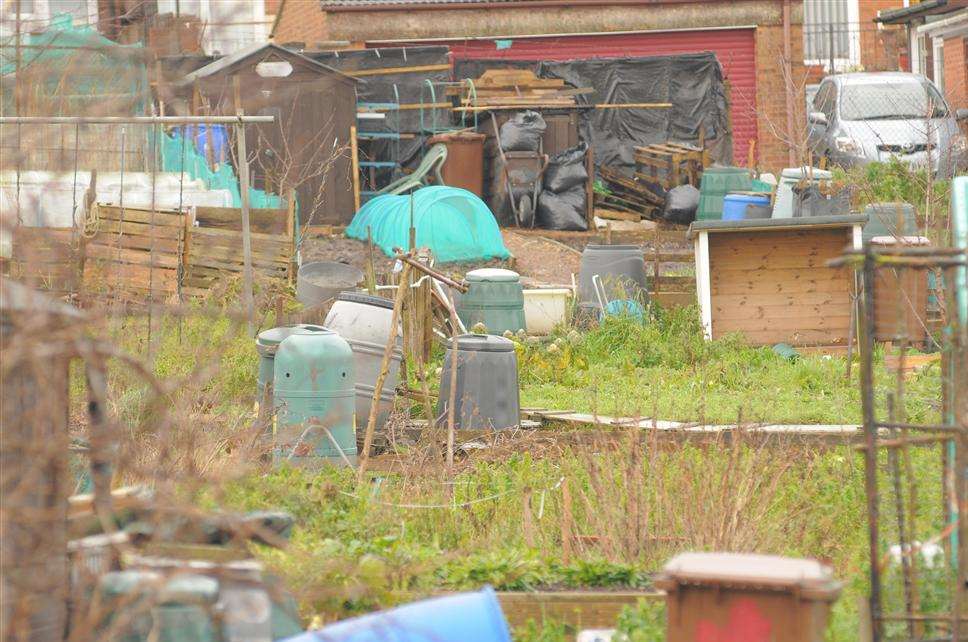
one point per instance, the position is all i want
(493, 275)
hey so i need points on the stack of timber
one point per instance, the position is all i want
(627, 194)
(215, 247)
(671, 164)
(45, 258)
(517, 88)
(134, 255)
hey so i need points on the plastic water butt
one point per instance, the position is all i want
(465, 617)
(320, 281)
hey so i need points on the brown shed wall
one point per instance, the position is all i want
(776, 287)
(311, 109)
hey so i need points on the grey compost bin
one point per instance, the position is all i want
(321, 281)
(621, 269)
(487, 383)
(365, 322)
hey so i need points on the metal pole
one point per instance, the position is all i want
(247, 300)
(870, 433)
(132, 120)
(830, 45)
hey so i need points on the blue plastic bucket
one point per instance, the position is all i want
(465, 617)
(734, 205)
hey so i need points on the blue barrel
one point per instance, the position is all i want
(465, 617)
(314, 399)
(734, 205)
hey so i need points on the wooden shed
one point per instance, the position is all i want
(769, 280)
(314, 106)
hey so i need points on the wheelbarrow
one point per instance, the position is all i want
(523, 172)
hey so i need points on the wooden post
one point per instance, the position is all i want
(566, 524)
(452, 401)
(527, 518)
(355, 163)
(291, 231)
(247, 299)
(590, 187)
(384, 370)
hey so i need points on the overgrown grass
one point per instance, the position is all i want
(358, 548)
(665, 369)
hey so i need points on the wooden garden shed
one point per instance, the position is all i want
(768, 279)
(307, 147)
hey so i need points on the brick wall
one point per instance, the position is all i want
(880, 47)
(772, 131)
(956, 71)
(301, 21)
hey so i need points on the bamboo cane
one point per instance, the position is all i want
(384, 370)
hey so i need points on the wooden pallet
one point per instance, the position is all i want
(215, 247)
(134, 255)
(671, 164)
(517, 87)
(45, 258)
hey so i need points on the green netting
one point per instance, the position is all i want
(72, 70)
(178, 154)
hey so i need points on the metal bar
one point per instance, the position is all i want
(870, 454)
(945, 428)
(132, 120)
(906, 562)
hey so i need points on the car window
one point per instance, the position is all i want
(824, 100)
(891, 101)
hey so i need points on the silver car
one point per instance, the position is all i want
(861, 117)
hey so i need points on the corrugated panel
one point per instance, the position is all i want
(734, 48)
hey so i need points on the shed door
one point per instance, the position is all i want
(734, 48)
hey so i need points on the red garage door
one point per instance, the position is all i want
(734, 49)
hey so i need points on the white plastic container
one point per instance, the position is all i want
(545, 308)
(783, 205)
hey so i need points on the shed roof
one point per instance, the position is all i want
(918, 11)
(778, 224)
(241, 56)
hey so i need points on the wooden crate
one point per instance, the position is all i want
(135, 255)
(45, 258)
(670, 164)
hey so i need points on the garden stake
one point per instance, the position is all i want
(384, 370)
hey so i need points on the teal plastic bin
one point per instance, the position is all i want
(715, 184)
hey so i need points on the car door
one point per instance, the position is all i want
(817, 132)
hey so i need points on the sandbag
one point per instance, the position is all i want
(681, 204)
(562, 211)
(522, 132)
(566, 169)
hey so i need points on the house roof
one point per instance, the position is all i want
(236, 59)
(918, 11)
(376, 5)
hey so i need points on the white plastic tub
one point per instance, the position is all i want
(545, 308)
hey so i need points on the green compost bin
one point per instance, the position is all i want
(715, 184)
(266, 344)
(495, 298)
(314, 399)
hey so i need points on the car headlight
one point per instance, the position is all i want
(959, 143)
(847, 145)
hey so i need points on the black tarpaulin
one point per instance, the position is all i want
(692, 83)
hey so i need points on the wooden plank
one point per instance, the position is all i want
(729, 313)
(262, 221)
(783, 281)
(132, 257)
(232, 266)
(167, 218)
(168, 246)
(108, 230)
(839, 323)
(780, 300)
(233, 255)
(214, 235)
(616, 215)
(795, 338)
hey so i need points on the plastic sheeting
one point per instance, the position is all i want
(455, 224)
(693, 83)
